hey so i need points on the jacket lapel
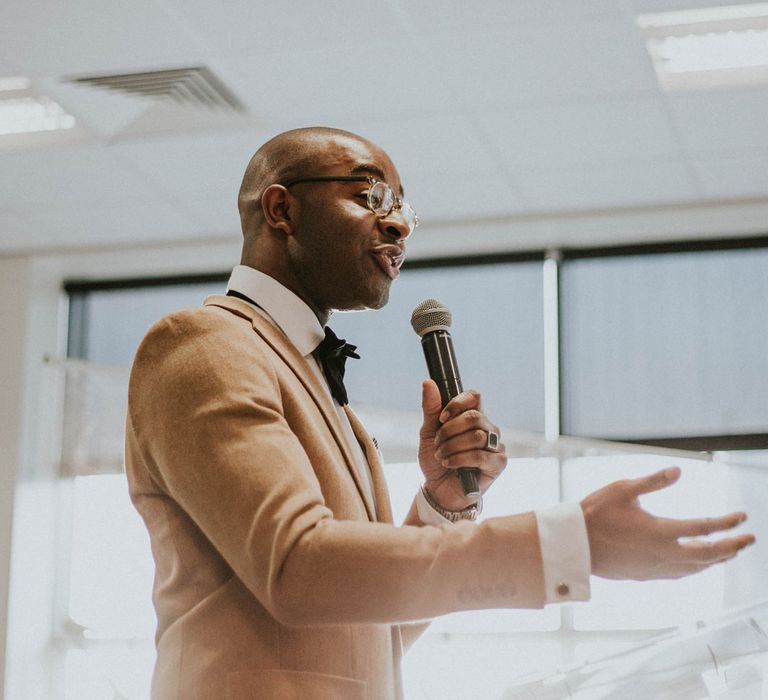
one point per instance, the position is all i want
(299, 365)
(380, 491)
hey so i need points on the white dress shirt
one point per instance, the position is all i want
(562, 531)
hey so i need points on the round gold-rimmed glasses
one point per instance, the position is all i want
(382, 201)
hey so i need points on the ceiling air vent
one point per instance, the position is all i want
(194, 87)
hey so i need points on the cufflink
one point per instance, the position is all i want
(562, 589)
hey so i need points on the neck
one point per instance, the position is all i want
(282, 275)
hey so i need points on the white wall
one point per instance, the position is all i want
(13, 315)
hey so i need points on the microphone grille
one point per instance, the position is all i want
(430, 315)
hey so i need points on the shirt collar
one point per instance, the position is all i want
(287, 310)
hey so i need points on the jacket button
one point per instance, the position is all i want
(562, 589)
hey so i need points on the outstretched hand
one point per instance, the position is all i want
(452, 438)
(627, 542)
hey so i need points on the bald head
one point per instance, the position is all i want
(319, 238)
(288, 155)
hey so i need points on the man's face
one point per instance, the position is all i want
(342, 255)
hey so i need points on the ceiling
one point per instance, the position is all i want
(505, 115)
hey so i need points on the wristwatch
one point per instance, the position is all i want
(470, 513)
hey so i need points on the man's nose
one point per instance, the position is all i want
(395, 225)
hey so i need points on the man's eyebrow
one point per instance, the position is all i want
(370, 169)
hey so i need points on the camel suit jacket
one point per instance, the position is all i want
(276, 576)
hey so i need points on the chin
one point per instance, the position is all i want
(380, 300)
(371, 302)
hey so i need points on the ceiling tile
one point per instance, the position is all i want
(342, 80)
(276, 30)
(616, 184)
(84, 176)
(739, 176)
(570, 133)
(433, 16)
(8, 67)
(441, 144)
(16, 231)
(135, 221)
(61, 37)
(721, 121)
(641, 6)
(193, 163)
(215, 211)
(103, 112)
(553, 63)
(446, 166)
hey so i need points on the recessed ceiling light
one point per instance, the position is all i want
(22, 112)
(708, 47)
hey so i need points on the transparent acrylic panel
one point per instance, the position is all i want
(472, 666)
(725, 657)
(116, 320)
(665, 345)
(746, 577)
(497, 333)
(114, 672)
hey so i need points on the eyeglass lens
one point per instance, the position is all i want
(382, 201)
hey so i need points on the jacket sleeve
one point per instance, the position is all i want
(210, 421)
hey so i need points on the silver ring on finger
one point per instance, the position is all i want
(492, 441)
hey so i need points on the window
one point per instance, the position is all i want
(665, 345)
(497, 322)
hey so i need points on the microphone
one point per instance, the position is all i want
(431, 320)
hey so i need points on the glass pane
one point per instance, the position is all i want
(666, 345)
(497, 334)
(116, 320)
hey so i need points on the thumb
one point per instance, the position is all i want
(431, 405)
(655, 482)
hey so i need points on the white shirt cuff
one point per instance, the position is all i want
(427, 514)
(564, 552)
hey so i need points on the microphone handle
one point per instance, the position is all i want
(443, 369)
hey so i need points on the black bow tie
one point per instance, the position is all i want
(332, 354)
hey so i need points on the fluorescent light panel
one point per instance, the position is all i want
(708, 47)
(22, 112)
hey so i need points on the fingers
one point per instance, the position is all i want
(707, 553)
(465, 401)
(698, 527)
(653, 482)
(465, 433)
(462, 441)
(431, 406)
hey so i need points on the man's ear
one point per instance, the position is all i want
(277, 206)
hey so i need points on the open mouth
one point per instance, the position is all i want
(390, 259)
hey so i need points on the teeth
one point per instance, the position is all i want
(395, 258)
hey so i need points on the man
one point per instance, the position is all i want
(279, 573)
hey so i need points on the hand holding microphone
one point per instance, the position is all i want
(467, 441)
